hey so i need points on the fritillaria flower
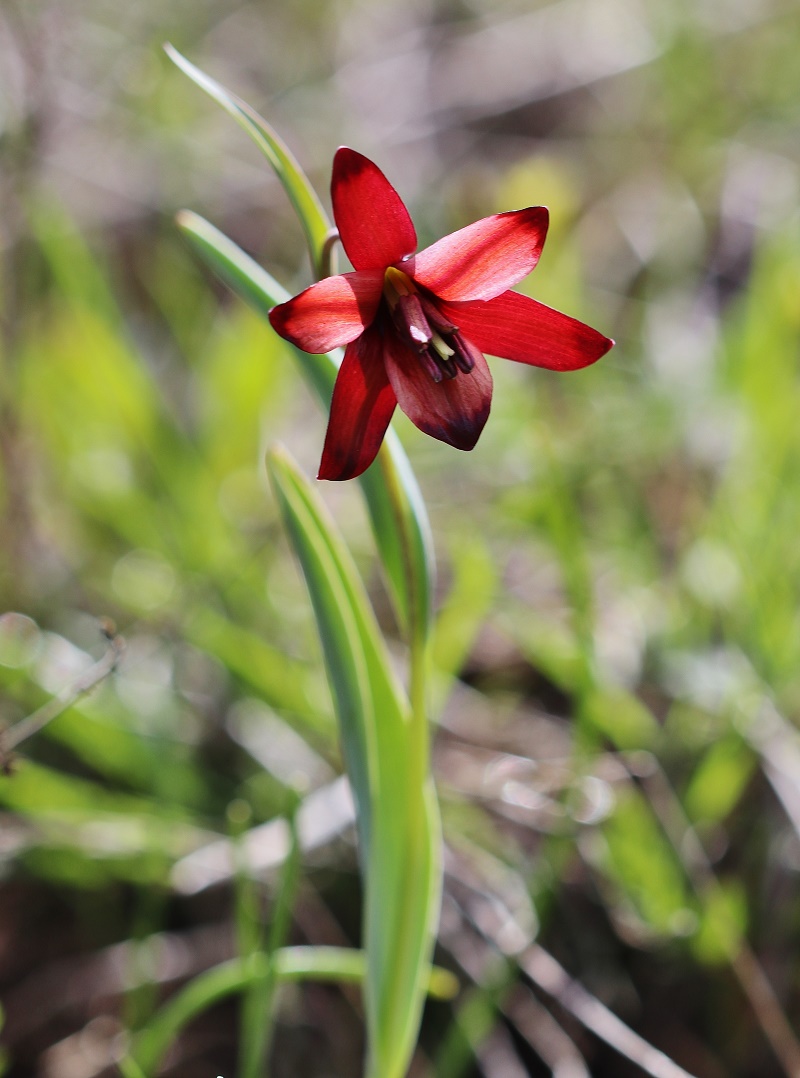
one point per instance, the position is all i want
(416, 326)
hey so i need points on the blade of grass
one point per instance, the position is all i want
(461, 615)
(258, 1005)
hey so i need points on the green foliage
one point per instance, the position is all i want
(723, 924)
(289, 964)
(619, 552)
(643, 866)
(718, 783)
(303, 197)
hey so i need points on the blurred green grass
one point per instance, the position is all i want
(619, 554)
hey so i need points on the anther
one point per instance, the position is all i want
(409, 318)
(464, 353)
(447, 367)
(432, 368)
(435, 316)
(396, 284)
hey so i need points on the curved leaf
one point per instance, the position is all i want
(302, 195)
(397, 809)
(334, 964)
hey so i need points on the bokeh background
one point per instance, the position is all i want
(618, 756)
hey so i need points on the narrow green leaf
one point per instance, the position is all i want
(279, 680)
(723, 923)
(347, 630)
(621, 717)
(80, 277)
(348, 965)
(331, 964)
(639, 860)
(719, 780)
(237, 269)
(129, 1068)
(397, 809)
(199, 994)
(402, 911)
(255, 286)
(460, 617)
(402, 533)
(302, 195)
(258, 1004)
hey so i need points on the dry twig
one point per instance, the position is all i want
(58, 704)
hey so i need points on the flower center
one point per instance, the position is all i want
(442, 350)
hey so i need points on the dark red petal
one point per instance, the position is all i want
(519, 328)
(483, 259)
(374, 225)
(454, 410)
(362, 405)
(330, 313)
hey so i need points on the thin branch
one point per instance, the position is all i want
(550, 976)
(546, 1036)
(491, 923)
(327, 256)
(62, 701)
(778, 746)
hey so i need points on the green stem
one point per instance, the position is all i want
(258, 1011)
(326, 260)
(419, 729)
(335, 964)
(417, 623)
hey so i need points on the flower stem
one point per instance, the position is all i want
(416, 627)
(327, 255)
(419, 730)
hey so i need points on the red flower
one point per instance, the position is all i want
(416, 325)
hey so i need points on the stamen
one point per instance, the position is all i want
(435, 316)
(414, 321)
(442, 351)
(396, 284)
(431, 366)
(448, 368)
(463, 350)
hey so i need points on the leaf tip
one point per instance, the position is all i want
(278, 461)
(184, 219)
